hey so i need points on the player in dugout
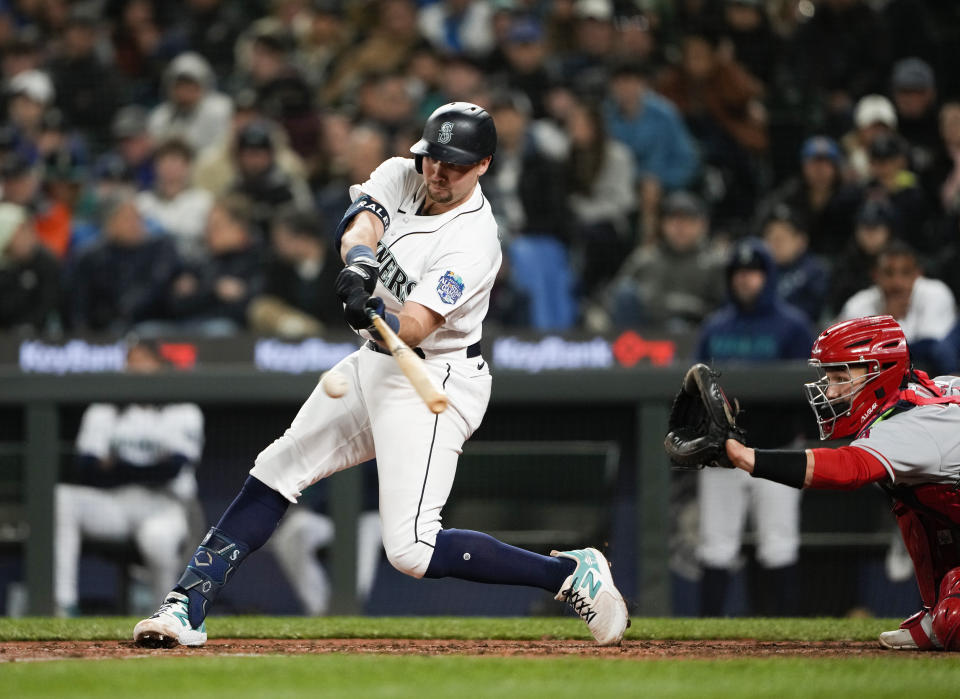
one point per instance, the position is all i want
(421, 251)
(906, 438)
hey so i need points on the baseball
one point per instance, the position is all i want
(334, 384)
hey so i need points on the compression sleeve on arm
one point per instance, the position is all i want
(786, 466)
(845, 468)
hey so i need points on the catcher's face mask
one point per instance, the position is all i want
(837, 397)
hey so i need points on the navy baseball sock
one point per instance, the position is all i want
(245, 526)
(470, 555)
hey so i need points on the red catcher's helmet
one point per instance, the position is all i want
(874, 342)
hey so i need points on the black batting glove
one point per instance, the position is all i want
(354, 308)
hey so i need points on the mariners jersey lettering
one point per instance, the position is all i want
(447, 262)
(922, 444)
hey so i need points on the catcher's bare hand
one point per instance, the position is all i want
(702, 419)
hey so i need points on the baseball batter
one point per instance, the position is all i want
(907, 439)
(421, 249)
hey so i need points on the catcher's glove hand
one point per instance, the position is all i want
(701, 421)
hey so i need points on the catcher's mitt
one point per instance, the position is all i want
(701, 421)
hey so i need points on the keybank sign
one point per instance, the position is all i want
(74, 357)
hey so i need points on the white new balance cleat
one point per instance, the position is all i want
(916, 633)
(592, 594)
(170, 626)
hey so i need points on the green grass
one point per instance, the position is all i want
(111, 628)
(359, 677)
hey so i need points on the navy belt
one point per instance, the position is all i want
(472, 351)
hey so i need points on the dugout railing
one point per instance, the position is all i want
(639, 398)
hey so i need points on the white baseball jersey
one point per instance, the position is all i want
(922, 444)
(447, 263)
(931, 313)
(143, 435)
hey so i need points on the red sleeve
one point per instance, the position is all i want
(845, 468)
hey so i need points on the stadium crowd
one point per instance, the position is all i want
(179, 166)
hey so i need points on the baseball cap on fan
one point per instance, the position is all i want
(912, 74)
(874, 109)
(34, 84)
(682, 203)
(599, 10)
(820, 147)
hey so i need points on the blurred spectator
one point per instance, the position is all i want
(260, 179)
(463, 80)
(665, 156)
(133, 143)
(173, 205)
(282, 93)
(212, 28)
(29, 275)
(853, 268)
(29, 95)
(388, 46)
(842, 51)
(134, 481)
(87, 88)
(819, 196)
(755, 326)
(721, 105)
(328, 36)
(20, 53)
(458, 26)
(384, 102)
(924, 308)
(676, 283)
(125, 278)
(193, 110)
(588, 65)
(891, 179)
(527, 189)
(601, 196)
(364, 149)
(947, 168)
(59, 200)
(22, 183)
(216, 165)
(211, 298)
(141, 46)
(755, 45)
(914, 91)
(526, 71)
(803, 278)
(873, 116)
(298, 296)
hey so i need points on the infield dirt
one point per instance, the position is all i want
(631, 650)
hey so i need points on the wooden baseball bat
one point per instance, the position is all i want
(410, 364)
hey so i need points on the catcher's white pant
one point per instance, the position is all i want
(725, 496)
(382, 416)
(155, 520)
(295, 544)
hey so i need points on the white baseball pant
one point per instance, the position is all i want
(382, 416)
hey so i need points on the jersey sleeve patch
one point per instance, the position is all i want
(450, 287)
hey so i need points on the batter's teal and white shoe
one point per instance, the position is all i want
(170, 626)
(592, 594)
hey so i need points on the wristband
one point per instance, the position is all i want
(357, 254)
(786, 466)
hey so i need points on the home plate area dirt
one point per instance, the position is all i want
(630, 650)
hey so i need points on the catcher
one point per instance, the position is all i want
(906, 430)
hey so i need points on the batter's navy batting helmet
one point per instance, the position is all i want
(459, 132)
(876, 342)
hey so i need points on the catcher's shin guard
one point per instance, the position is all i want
(209, 569)
(946, 615)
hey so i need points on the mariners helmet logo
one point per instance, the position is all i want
(446, 132)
